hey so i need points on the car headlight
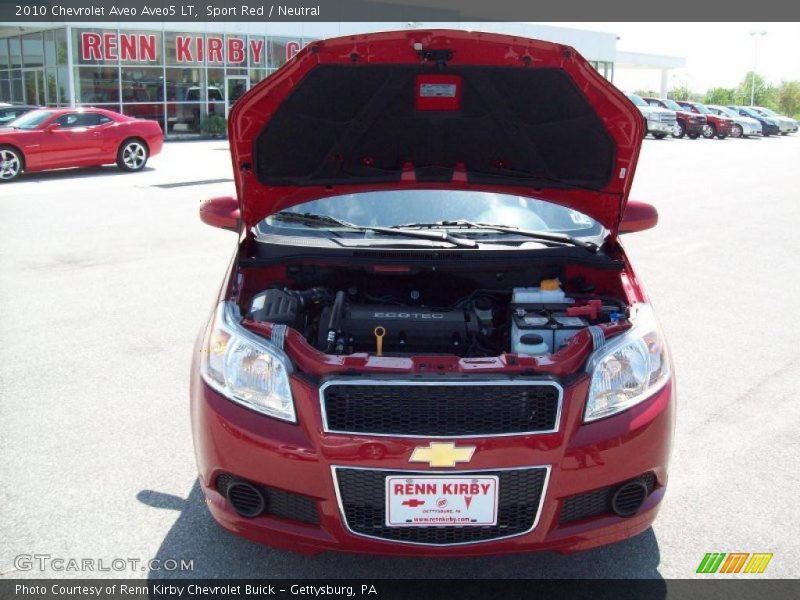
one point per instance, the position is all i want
(628, 369)
(245, 368)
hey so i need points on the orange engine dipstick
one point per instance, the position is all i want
(379, 332)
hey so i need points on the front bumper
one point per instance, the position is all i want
(694, 127)
(660, 127)
(750, 129)
(724, 129)
(299, 459)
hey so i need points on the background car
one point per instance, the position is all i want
(83, 137)
(787, 125)
(688, 123)
(660, 121)
(769, 126)
(743, 126)
(716, 126)
(9, 112)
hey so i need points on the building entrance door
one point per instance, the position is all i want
(235, 87)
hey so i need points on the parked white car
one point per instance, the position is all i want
(660, 121)
(744, 126)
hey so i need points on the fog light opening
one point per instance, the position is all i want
(246, 499)
(628, 499)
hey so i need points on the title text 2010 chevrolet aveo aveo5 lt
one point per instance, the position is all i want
(429, 339)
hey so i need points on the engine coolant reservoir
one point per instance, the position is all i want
(548, 292)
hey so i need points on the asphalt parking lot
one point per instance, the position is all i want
(106, 278)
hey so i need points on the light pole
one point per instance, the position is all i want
(755, 35)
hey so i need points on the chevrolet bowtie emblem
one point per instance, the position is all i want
(442, 454)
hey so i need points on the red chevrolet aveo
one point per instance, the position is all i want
(429, 339)
(57, 138)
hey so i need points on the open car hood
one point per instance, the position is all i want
(435, 109)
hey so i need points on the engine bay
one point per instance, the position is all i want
(434, 312)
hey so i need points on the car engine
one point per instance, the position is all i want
(484, 322)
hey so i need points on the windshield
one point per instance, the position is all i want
(725, 111)
(751, 113)
(637, 100)
(671, 104)
(766, 111)
(388, 209)
(31, 120)
(702, 108)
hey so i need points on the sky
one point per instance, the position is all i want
(717, 54)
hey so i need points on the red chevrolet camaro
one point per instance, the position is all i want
(56, 138)
(430, 340)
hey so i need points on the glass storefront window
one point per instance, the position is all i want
(17, 91)
(33, 50)
(256, 75)
(257, 51)
(184, 118)
(184, 85)
(89, 47)
(5, 87)
(15, 52)
(235, 50)
(3, 53)
(96, 85)
(142, 84)
(215, 49)
(277, 52)
(50, 51)
(60, 37)
(51, 82)
(216, 79)
(184, 49)
(34, 86)
(149, 48)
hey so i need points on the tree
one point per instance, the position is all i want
(764, 93)
(647, 93)
(788, 98)
(682, 92)
(718, 95)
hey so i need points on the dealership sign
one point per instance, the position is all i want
(143, 47)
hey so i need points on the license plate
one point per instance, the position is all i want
(435, 501)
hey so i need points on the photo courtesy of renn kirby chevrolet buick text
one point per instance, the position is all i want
(430, 340)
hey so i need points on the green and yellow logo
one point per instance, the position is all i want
(734, 562)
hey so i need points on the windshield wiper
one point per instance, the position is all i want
(544, 236)
(316, 220)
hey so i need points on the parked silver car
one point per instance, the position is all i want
(787, 125)
(744, 125)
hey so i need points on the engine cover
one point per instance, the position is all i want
(408, 329)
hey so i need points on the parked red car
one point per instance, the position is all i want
(55, 138)
(716, 125)
(430, 340)
(689, 123)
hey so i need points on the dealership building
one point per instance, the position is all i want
(187, 75)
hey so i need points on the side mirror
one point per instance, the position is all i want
(638, 216)
(52, 127)
(222, 212)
